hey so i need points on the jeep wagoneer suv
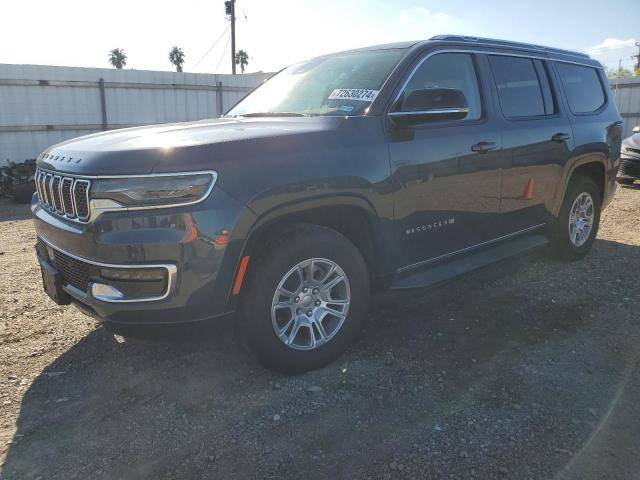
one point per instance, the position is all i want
(394, 166)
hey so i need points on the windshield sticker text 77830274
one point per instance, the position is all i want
(354, 94)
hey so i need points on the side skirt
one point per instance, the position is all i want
(447, 270)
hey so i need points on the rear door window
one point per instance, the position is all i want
(522, 89)
(582, 87)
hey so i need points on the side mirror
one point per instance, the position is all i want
(431, 104)
(636, 129)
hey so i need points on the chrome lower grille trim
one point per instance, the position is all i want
(80, 273)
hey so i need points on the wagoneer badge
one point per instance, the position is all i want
(431, 226)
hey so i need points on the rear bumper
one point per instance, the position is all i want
(197, 248)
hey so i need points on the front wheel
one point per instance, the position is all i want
(305, 299)
(575, 229)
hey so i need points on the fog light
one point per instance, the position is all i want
(105, 292)
(134, 274)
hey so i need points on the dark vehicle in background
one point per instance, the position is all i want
(17, 180)
(629, 170)
(396, 166)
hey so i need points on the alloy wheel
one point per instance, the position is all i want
(581, 219)
(310, 304)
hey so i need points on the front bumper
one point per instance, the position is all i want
(629, 166)
(196, 247)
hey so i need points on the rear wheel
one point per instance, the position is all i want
(305, 299)
(575, 229)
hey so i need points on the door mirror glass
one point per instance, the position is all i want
(431, 104)
(636, 129)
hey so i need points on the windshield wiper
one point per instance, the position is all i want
(273, 114)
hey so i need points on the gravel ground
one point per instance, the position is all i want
(528, 369)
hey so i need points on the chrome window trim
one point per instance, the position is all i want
(429, 112)
(478, 51)
(171, 269)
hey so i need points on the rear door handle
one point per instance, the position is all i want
(484, 147)
(561, 137)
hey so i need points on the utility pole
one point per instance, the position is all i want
(230, 9)
(636, 58)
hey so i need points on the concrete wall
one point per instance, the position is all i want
(627, 95)
(43, 105)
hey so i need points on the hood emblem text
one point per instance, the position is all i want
(59, 158)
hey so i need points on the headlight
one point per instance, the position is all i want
(148, 191)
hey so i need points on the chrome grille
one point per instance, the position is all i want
(67, 198)
(65, 195)
(81, 196)
(55, 191)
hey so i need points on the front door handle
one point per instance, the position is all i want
(561, 137)
(484, 147)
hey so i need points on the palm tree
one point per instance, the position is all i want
(176, 57)
(242, 59)
(117, 58)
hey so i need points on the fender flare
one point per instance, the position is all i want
(588, 158)
(250, 222)
(323, 201)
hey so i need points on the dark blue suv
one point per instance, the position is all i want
(395, 166)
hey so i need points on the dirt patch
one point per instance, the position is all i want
(527, 369)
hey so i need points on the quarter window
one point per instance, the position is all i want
(523, 86)
(582, 87)
(449, 70)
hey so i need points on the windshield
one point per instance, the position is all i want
(340, 84)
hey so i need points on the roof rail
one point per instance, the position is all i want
(507, 44)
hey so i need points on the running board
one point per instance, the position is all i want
(441, 272)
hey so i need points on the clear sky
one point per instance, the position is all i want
(276, 33)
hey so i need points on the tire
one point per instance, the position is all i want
(562, 244)
(277, 262)
(625, 180)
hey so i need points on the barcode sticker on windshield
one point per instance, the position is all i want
(354, 94)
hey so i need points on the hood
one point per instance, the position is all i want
(180, 146)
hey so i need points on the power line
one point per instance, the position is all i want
(244, 14)
(604, 48)
(223, 53)
(210, 48)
